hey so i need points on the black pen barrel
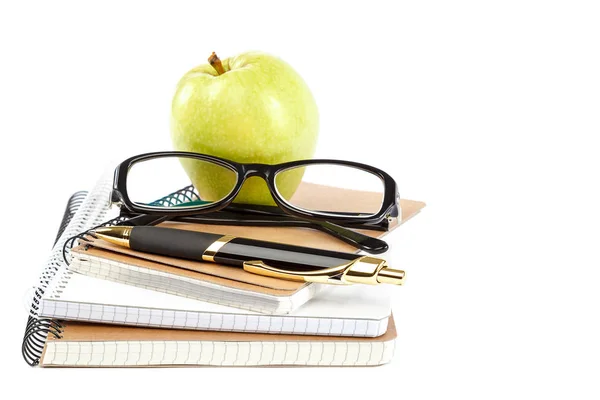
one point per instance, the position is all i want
(279, 255)
(232, 251)
(176, 243)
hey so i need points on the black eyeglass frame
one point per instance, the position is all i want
(389, 205)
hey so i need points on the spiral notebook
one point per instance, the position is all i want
(360, 311)
(88, 345)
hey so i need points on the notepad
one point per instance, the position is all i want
(220, 284)
(359, 311)
(89, 345)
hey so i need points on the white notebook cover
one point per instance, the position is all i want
(361, 311)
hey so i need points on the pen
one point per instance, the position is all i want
(272, 259)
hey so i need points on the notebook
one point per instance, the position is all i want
(217, 283)
(90, 345)
(360, 310)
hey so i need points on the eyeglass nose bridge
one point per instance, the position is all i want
(260, 170)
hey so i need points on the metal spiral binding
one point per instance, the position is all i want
(36, 333)
(38, 329)
(83, 209)
(74, 203)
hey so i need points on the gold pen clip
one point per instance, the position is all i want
(366, 270)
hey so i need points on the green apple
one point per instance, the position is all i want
(251, 108)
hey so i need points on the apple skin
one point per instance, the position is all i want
(259, 111)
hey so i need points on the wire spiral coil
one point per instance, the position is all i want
(83, 210)
(37, 330)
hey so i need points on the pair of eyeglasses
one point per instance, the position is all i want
(140, 184)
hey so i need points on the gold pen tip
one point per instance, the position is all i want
(118, 235)
(391, 276)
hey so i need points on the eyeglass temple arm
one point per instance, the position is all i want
(143, 219)
(241, 208)
(364, 242)
(356, 239)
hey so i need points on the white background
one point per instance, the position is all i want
(488, 111)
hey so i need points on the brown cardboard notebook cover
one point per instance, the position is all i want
(236, 277)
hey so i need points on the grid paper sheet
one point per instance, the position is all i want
(218, 353)
(188, 287)
(343, 311)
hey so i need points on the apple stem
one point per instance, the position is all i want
(215, 62)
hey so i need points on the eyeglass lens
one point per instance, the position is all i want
(152, 182)
(299, 186)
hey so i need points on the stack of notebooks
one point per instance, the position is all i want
(116, 307)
